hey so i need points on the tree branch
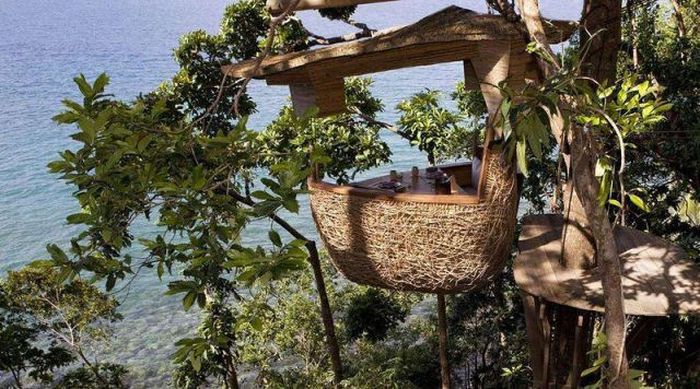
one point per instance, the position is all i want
(272, 31)
(679, 18)
(278, 220)
(358, 25)
(318, 40)
(505, 8)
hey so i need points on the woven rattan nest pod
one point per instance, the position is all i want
(417, 242)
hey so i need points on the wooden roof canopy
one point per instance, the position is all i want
(315, 77)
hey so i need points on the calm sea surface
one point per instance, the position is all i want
(45, 43)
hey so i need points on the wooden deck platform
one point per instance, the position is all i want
(658, 279)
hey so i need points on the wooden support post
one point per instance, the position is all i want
(582, 341)
(471, 82)
(536, 340)
(573, 328)
(491, 68)
(442, 334)
(303, 97)
(328, 94)
(559, 339)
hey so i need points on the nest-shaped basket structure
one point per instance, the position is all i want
(439, 247)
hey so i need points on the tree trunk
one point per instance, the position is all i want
(227, 351)
(608, 261)
(231, 379)
(16, 377)
(601, 62)
(578, 244)
(326, 313)
(633, 26)
(679, 18)
(604, 16)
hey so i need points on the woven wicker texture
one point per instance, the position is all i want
(423, 247)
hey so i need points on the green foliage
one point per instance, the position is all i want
(629, 108)
(208, 356)
(280, 334)
(667, 357)
(674, 61)
(197, 91)
(291, 36)
(471, 103)
(408, 359)
(372, 314)
(46, 324)
(132, 164)
(663, 163)
(616, 112)
(198, 172)
(664, 160)
(281, 324)
(689, 211)
(487, 335)
(85, 378)
(526, 124)
(180, 156)
(198, 84)
(244, 29)
(21, 351)
(433, 129)
(338, 13)
(597, 353)
(243, 26)
(349, 144)
(44, 298)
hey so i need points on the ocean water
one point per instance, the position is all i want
(45, 43)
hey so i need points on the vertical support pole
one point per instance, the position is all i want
(558, 339)
(535, 337)
(442, 335)
(326, 313)
(580, 344)
(546, 323)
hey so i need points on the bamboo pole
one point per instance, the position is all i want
(278, 6)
